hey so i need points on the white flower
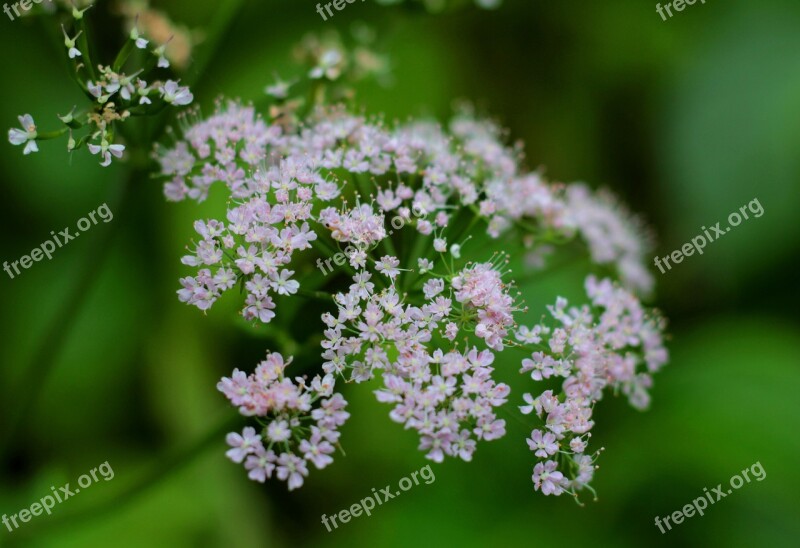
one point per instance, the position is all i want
(96, 89)
(141, 43)
(106, 151)
(279, 90)
(279, 431)
(143, 90)
(176, 95)
(328, 65)
(282, 284)
(26, 135)
(162, 60)
(527, 409)
(388, 266)
(70, 43)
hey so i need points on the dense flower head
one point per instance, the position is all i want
(253, 245)
(427, 323)
(467, 167)
(417, 301)
(299, 422)
(613, 235)
(448, 396)
(612, 343)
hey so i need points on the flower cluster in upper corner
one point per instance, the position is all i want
(114, 96)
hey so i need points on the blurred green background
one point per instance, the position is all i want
(686, 119)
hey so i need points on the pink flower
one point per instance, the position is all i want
(317, 450)
(242, 445)
(260, 464)
(388, 266)
(291, 468)
(543, 445)
(546, 478)
(175, 94)
(283, 405)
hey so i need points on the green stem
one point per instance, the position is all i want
(166, 464)
(205, 54)
(389, 245)
(123, 54)
(221, 21)
(44, 136)
(57, 333)
(83, 46)
(319, 295)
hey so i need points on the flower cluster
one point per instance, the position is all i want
(299, 422)
(406, 311)
(613, 235)
(229, 147)
(178, 39)
(114, 96)
(480, 288)
(446, 395)
(253, 246)
(424, 324)
(470, 168)
(614, 343)
(360, 226)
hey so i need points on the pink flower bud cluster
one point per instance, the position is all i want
(299, 423)
(228, 147)
(446, 395)
(468, 168)
(614, 344)
(480, 287)
(360, 226)
(613, 235)
(254, 245)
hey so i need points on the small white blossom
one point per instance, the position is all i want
(162, 60)
(175, 94)
(329, 65)
(106, 151)
(70, 43)
(141, 43)
(27, 135)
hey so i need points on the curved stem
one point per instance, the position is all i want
(318, 295)
(35, 375)
(173, 460)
